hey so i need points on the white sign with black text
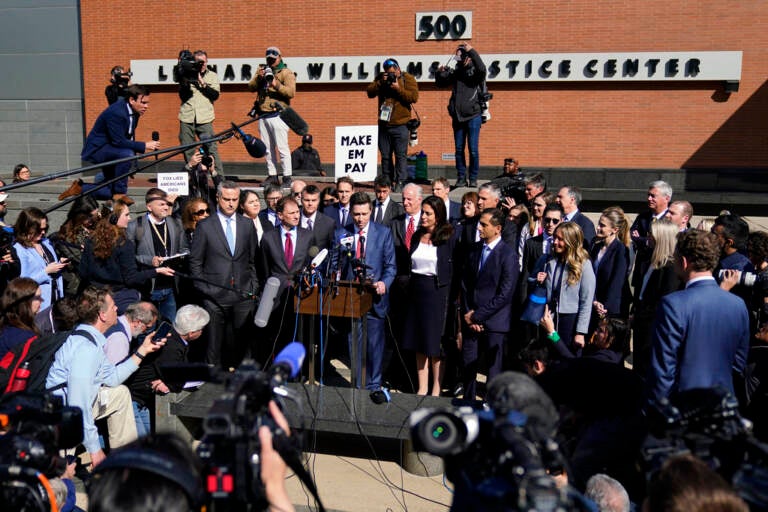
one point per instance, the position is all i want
(173, 183)
(356, 152)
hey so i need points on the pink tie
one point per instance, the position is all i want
(409, 233)
(288, 251)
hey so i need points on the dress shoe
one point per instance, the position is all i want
(74, 189)
(272, 180)
(287, 182)
(473, 183)
(124, 198)
(396, 187)
(461, 183)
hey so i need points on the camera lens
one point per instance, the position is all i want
(442, 435)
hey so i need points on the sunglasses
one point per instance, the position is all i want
(549, 220)
(202, 211)
(390, 64)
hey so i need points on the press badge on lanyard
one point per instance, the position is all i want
(385, 112)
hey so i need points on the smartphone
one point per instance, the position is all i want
(162, 331)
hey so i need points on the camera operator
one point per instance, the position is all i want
(396, 91)
(196, 115)
(119, 80)
(465, 107)
(275, 85)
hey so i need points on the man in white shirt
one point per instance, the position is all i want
(138, 318)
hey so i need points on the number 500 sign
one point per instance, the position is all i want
(443, 25)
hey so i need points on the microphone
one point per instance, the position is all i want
(155, 138)
(288, 362)
(515, 391)
(290, 117)
(267, 302)
(255, 147)
(319, 258)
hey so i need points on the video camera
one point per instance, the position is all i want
(188, 67)
(38, 426)
(706, 423)
(503, 458)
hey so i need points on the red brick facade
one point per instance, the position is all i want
(622, 125)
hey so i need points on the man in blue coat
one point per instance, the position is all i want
(701, 334)
(374, 252)
(111, 138)
(488, 286)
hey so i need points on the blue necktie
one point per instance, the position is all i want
(484, 256)
(230, 237)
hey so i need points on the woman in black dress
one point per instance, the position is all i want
(429, 290)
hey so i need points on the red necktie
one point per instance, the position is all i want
(288, 251)
(409, 233)
(360, 245)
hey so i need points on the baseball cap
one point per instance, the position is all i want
(273, 51)
(307, 139)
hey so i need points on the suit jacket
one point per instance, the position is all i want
(701, 335)
(111, 128)
(273, 255)
(33, 266)
(266, 225)
(211, 260)
(643, 252)
(454, 211)
(576, 298)
(402, 254)
(661, 282)
(490, 291)
(145, 246)
(611, 286)
(393, 209)
(532, 253)
(323, 229)
(587, 227)
(445, 261)
(379, 256)
(333, 212)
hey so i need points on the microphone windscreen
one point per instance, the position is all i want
(292, 355)
(312, 252)
(294, 121)
(155, 136)
(267, 302)
(515, 391)
(255, 147)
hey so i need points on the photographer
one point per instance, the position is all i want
(198, 89)
(275, 85)
(119, 80)
(468, 99)
(396, 91)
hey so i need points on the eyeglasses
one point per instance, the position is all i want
(203, 211)
(550, 220)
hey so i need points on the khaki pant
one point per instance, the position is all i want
(115, 405)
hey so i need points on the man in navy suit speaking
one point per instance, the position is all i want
(701, 334)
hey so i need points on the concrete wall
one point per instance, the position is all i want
(41, 119)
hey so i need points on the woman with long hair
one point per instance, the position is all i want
(431, 253)
(659, 280)
(570, 283)
(469, 210)
(195, 210)
(109, 259)
(20, 303)
(610, 261)
(37, 256)
(250, 206)
(535, 224)
(70, 239)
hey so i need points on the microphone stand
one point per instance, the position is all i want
(246, 295)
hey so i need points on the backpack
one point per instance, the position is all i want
(40, 352)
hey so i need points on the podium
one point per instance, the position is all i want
(342, 299)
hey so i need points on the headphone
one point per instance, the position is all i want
(113, 218)
(160, 464)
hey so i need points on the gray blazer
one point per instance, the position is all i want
(575, 298)
(139, 231)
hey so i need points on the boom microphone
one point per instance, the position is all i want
(267, 302)
(254, 146)
(294, 121)
(155, 138)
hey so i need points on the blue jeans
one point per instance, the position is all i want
(463, 132)
(165, 302)
(142, 416)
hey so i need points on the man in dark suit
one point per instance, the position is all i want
(569, 198)
(385, 209)
(372, 246)
(112, 138)
(224, 253)
(285, 251)
(441, 188)
(701, 334)
(538, 246)
(659, 196)
(268, 216)
(488, 286)
(340, 211)
(321, 225)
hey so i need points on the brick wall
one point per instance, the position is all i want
(668, 125)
